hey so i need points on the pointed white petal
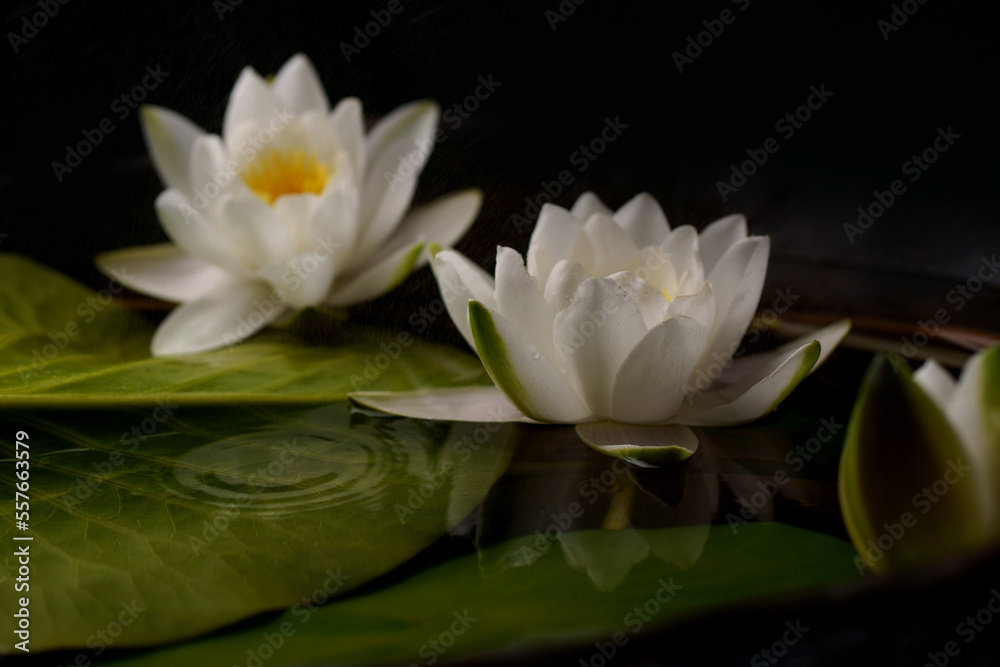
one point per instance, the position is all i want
(718, 236)
(163, 271)
(936, 381)
(377, 279)
(641, 444)
(348, 123)
(521, 371)
(650, 384)
(644, 220)
(737, 281)
(519, 301)
(564, 279)
(332, 228)
(699, 307)
(593, 335)
(255, 228)
(604, 247)
(252, 100)
(442, 221)
(226, 315)
(555, 233)
(170, 138)
(397, 148)
(681, 247)
(459, 281)
(196, 234)
(753, 396)
(587, 205)
(210, 173)
(299, 87)
(462, 404)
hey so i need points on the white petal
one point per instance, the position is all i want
(593, 335)
(644, 220)
(252, 100)
(459, 281)
(641, 444)
(587, 205)
(463, 404)
(378, 279)
(348, 124)
(332, 228)
(699, 307)
(681, 247)
(743, 402)
(224, 316)
(521, 371)
(650, 384)
(170, 138)
(718, 236)
(604, 247)
(443, 221)
(163, 271)
(255, 228)
(397, 148)
(564, 279)
(737, 281)
(299, 87)
(936, 381)
(302, 280)
(519, 301)
(211, 174)
(652, 303)
(195, 233)
(555, 233)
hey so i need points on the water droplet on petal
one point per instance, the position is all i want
(536, 356)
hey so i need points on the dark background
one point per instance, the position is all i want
(685, 129)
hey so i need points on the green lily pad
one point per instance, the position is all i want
(199, 517)
(907, 488)
(452, 611)
(62, 344)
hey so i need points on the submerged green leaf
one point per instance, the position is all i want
(548, 603)
(907, 489)
(62, 344)
(200, 517)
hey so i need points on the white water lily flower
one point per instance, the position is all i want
(971, 407)
(292, 206)
(617, 324)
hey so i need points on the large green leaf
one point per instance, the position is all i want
(549, 603)
(907, 490)
(203, 516)
(62, 344)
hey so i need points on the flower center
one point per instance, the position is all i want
(288, 171)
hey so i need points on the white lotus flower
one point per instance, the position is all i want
(292, 206)
(971, 407)
(618, 324)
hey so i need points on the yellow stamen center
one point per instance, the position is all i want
(278, 172)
